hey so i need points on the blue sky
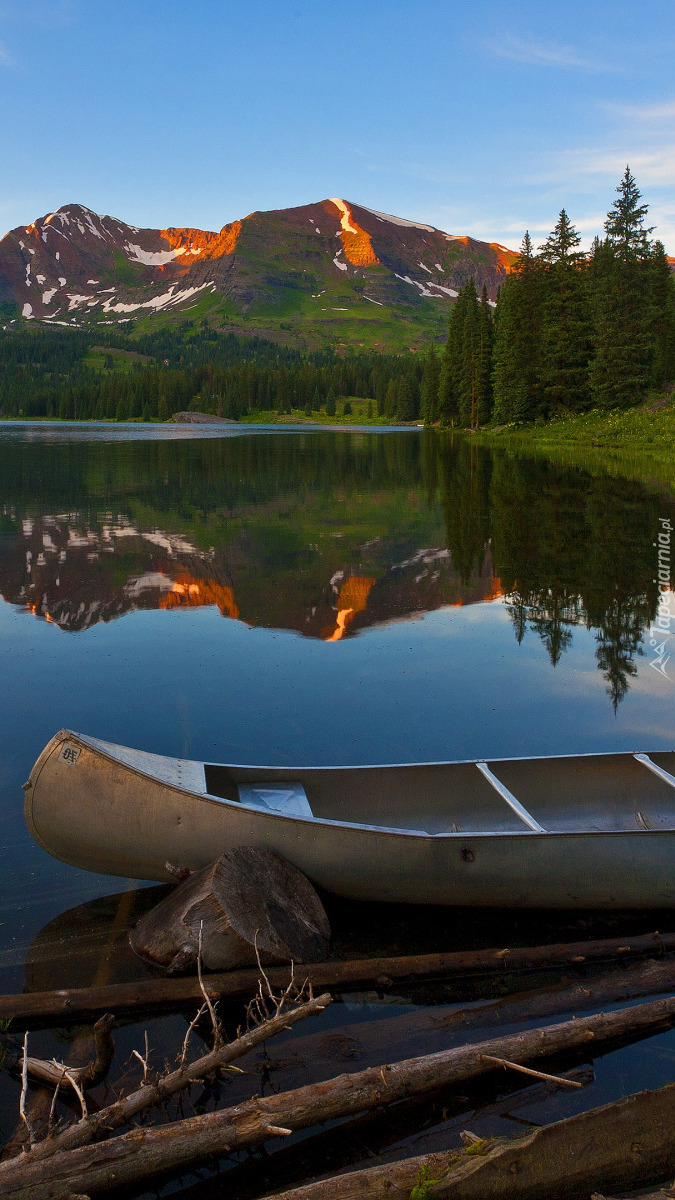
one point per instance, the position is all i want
(482, 118)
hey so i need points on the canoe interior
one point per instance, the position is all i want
(603, 793)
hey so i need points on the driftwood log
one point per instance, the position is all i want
(130, 1157)
(76, 1003)
(426, 1029)
(248, 903)
(619, 1146)
(86, 1076)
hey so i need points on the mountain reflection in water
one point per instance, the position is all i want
(328, 535)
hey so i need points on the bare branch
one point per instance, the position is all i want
(217, 1039)
(186, 1041)
(80, 1095)
(504, 1062)
(52, 1109)
(24, 1090)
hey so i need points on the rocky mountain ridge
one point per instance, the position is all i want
(327, 262)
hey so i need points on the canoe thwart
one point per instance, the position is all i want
(655, 768)
(514, 804)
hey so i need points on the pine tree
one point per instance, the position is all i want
(429, 391)
(567, 329)
(662, 297)
(458, 385)
(625, 222)
(390, 400)
(468, 366)
(405, 402)
(330, 403)
(518, 391)
(484, 374)
(622, 304)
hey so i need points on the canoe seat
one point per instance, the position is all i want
(289, 799)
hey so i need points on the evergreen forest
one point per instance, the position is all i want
(90, 375)
(570, 331)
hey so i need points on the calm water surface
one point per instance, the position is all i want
(310, 597)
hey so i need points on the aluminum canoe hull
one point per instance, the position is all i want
(121, 812)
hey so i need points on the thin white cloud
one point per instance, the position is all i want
(5, 57)
(652, 113)
(650, 166)
(544, 54)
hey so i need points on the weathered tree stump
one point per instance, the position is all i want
(248, 899)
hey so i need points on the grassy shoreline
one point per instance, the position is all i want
(637, 443)
(649, 426)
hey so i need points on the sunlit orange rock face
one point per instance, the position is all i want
(505, 258)
(359, 249)
(199, 244)
(352, 599)
(188, 592)
(356, 243)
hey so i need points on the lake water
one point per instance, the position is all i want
(285, 596)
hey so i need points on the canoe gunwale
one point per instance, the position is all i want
(105, 750)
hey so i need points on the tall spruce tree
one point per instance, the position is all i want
(518, 392)
(448, 394)
(567, 329)
(662, 297)
(463, 392)
(623, 302)
(429, 389)
(484, 377)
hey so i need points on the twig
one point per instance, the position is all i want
(145, 1061)
(80, 1094)
(504, 1062)
(24, 1090)
(262, 969)
(52, 1109)
(195, 1021)
(217, 1039)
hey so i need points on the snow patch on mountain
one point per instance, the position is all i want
(154, 258)
(414, 283)
(345, 215)
(157, 302)
(398, 220)
(448, 291)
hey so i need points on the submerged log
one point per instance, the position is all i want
(620, 1146)
(248, 903)
(642, 980)
(139, 1154)
(422, 1030)
(75, 1003)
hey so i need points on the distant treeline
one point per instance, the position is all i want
(46, 372)
(570, 331)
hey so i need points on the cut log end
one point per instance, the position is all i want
(249, 902)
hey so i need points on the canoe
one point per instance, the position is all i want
(574, 831)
